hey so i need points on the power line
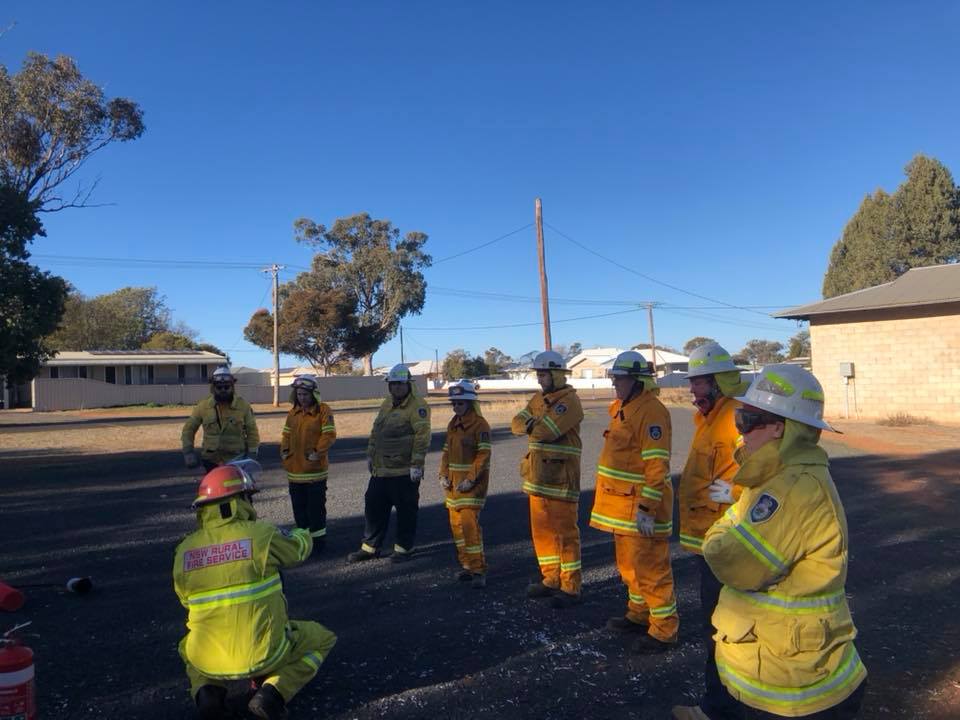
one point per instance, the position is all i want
(724, 321)
(645, 276)
(486, 244)
(529, 324)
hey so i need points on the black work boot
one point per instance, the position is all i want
(464, 575)
(361, 555)
(268, 703)
(625, 625)
(211, 702)
(649, 645)
(563, 600)
(539, 591)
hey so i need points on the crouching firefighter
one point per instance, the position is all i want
(226, 574)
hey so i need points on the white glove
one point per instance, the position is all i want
(284, 454)
(721, 491)
(445, 482)
(313, 456)
(416, 474)
(645, 523)
(465, 485)
(190, 459)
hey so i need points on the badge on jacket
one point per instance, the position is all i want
(764, 508)
(422, 412)
(656, 432)
(560, 408)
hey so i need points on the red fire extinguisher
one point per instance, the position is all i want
(17, 694)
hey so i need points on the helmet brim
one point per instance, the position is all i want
(819, 424)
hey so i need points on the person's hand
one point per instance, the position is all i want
(721, 491)
(284, 453)
(190, 459)
(465, 485)
(645, 523)
(313, 456)
(530, 424)
(445, 482)
(416, 474)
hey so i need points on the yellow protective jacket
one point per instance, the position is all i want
(400, 437)
(307, 430)
(783, 628)
(715, 440)
(228, 430)
(551, 467)
(466, 456)
(633, 471)
(226, 575)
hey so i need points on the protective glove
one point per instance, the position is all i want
(530, 424)
(645, 523)
(465, 485)
(721, 491)
(445, 482)
(284, 454)
(313, 456)
(190, 459)
(416, 474)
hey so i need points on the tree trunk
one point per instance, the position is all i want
(368, 364)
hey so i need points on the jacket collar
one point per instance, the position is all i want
(759, 467)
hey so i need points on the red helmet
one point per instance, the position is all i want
(224, 482)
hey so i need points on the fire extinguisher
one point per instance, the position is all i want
(17, 694)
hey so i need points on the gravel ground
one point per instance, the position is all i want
(414, 643)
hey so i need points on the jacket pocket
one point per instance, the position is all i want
(553, 471)
(733, 627)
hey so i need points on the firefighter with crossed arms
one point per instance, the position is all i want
(229, 427)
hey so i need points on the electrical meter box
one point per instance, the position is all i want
(846, 369)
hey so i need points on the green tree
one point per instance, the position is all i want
(31, 301)
(213, 349)
(889, 234)
(495, 360)
(475, 367)
(315, 325)
(167, 340)
(693, 343)
(799, 345)
(52, 120)
(122, 320)
(380, 271)
(454, 364)
(762, 352)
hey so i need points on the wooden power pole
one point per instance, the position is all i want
(275, 270)
(653, 341)
(544, 297)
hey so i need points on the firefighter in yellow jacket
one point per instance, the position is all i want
(706, 484)
(229, 427)
(634, 501)
(227, 576)
(398, 446)
(783, 628)
(465, 475)
(307, 436)
(551, 477)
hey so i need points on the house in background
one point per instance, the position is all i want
(595, 362)
(891, 348)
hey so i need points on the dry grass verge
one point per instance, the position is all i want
(902, 419)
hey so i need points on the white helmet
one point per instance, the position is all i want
(549, 360)
(399, 373)
(462, 390)
(788, 391)
(308, 382)
(223, 374)
(709, 359)
(630, 362)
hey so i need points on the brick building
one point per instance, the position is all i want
(892, 348)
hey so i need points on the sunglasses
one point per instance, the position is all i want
(459, 402)
(222, 386)
(749, 420)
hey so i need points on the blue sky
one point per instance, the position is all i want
(715, 147)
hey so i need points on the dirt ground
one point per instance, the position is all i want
(414, 643)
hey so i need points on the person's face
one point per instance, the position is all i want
(460, 407)
(757, 428)
(398, 390)
(223, 391)
(704, 394)
(623, 386)
(305, 397)
(545, 379)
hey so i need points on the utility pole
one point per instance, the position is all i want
(402, 360)
(275, 270)
(653, 341)
(436, 366)
(544, 297)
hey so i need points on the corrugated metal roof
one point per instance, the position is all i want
(918, 286)
(134, 357)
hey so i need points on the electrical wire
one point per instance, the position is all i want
(480, 247)
(528, 324)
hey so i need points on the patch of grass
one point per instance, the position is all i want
(902, 419)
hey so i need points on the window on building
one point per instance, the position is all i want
(128, 375)
(203, 372)
(110, 375)
(54, 372)
(149, 374)
(181, 372)
(82, 371)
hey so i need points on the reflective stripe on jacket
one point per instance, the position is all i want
(307, 430)
(551, 467)
(633, 471)
(466, 456)
(783, 628)
(228, 430)
(715, 440)
(226, 575)
(400, 436)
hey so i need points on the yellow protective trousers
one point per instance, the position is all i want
(556, 541)
(644, 565)
(310, 643)
(468, 537)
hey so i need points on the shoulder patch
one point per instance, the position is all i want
(764, 508)
(560, 408)
(484, 437)
(656, 432)
(422, 412)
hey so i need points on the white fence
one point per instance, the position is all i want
(84, 393)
